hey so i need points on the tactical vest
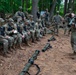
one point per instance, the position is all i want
(9, 29)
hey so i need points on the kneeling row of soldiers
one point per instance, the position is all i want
(13, 33)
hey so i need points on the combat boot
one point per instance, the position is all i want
(28, 44)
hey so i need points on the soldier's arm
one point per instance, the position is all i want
(6, 30)
(1, 36)
(16, 14)
(23, 16)
(15, 26)
(62, 19)
(71, 21)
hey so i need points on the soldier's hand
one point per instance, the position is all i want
(13, 30)
(7, 37)
(23, 36)
(28, 32)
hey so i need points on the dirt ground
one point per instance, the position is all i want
(56, 61)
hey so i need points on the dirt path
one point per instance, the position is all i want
(55, 61)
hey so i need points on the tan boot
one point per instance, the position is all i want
(22, 48)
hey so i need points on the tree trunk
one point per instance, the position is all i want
(65, 7)
(72, 5)
(34, 8)
(69, 4)
(52, 9)
(26, 4)
(23, 4)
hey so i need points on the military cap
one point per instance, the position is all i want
(20, 7)
(57, 12)
(46, 9)
(70, 9)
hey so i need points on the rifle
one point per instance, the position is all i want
(47, 46)
(52, 39)
(30, 63)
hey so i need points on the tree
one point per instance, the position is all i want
(34, 8)
(65, 6)
(52, 9)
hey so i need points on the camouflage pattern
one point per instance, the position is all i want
(57, 19)
(22, 30)
(11, 30)
(68, 20)
(3, 41)
(73, 34)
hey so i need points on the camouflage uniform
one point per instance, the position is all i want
(68, 18)
(11, 30)
(37, 30)
(57, 20)
(19, 15)
(40, 27)
(22, 30)
(32, 30)
(73, 34)
(47, 18)
(3, 41)
(43, 25)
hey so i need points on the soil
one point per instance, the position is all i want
(58, 60)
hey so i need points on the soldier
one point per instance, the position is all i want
(73, 34)
(47, 18)
(43, 24)
(11, 30)
(3, 41)
(20, 14)
(32, 26)
(57, 19)
(22, 30)
(9, 38)
(40, 28)
(68, 17)
(46, 15)
(37, 31)
(27, 34)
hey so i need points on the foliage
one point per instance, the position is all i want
(9, 6)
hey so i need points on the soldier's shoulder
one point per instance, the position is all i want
(5, 25)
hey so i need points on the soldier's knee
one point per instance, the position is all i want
(5, 43)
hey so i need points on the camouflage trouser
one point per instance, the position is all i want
(17, 38)
(32, 34)
(10, 41)
(5, 45)
(66, 29)
(56, 28)
(73, 41)
(37, 34)
(26, 36)
(44, 30)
